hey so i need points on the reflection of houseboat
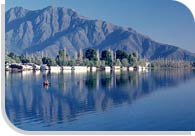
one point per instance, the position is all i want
(26, 72)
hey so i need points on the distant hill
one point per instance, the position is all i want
(53, 28)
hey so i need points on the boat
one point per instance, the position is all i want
(131, 68)
(116, 68)
(79, 69)
(107, 68)
(55, 69)
(46, 83)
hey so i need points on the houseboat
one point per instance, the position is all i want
(124, 68)
(116, 68)
(79, 68)
(93, 69)
(107, 68)
(54, 69)
(131, 68)
(15, 67)
(66, 68)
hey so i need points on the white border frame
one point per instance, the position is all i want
(188, 4)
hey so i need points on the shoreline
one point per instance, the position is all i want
(98, 70)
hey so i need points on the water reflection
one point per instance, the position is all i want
(71, 95)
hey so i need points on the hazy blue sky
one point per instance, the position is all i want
(165, 21)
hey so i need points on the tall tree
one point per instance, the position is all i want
(121, 54)
(125, 62)
(91, 54)
(49, 61)
(62, 57)
(118, 62)
(133, 59)
(106, 56)
(80, 55)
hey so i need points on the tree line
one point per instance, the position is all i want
(164, 63)
(92, 57)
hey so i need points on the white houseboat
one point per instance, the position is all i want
(116, 68)
(79, 68)
(131, 68)
(56, 69)
(107, 68)
(93, 69)
(66, 68)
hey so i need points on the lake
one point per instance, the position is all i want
(161, 100)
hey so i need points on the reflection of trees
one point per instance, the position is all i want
(68, 97)
(105, 80)
(91, 80)
(121, 79)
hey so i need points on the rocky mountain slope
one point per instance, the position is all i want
(53, 28)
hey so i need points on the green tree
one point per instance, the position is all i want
(62, 58)
(58, 60)
(125, 62)
(135, 55)
(142, 62)
(92, 63)
(86, 62)
(121, 54)
(24, 59)
(11, 55)
(118, 62)
(44, 60)
(106, 56)
(49, 61)
(79, 62)
(72, 62)
(9, 59)
(91, 54)
(14, 57)
(133, 59)
(53, 62)
(98, 63)
(103, 63)
(36, 59)
(154, 64)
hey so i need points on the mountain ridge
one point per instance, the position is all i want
(53, 28)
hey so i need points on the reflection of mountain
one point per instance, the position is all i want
(72, 95)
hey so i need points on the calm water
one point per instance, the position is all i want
(157, 100)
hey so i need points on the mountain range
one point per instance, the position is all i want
(53, 28)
